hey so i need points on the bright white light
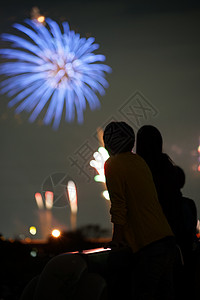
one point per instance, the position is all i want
(106, 195)
(49, 199)
(39, 201)
(33, 230)
(104, 153)
(71, 189)
(55, 233)
(100, 158)
(98, 163)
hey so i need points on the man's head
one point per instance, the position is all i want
(118, 137)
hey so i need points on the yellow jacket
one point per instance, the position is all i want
(134, 201)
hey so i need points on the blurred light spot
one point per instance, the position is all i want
(104, 153)
(100, 157)
(32, 230)
(39, 201)
(27, 240)
(198, 149)
(55, 233)
(198, 168)
(100, 178)
(41, 19)
(71, 189)
(106, 195)
(33, 253)
(49, 199)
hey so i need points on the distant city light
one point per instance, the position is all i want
(41, 19)
(48, 199)
(27, 240)
(55, 233)
(33, 230)
(33, 253)
(39, 201)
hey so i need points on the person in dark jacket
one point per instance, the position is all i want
(149, 147)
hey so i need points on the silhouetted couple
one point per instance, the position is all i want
(142, 189)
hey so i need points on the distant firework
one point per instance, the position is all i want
(54, 69)
(97, 163)
(72, 194)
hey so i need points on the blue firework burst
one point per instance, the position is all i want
(52, 68)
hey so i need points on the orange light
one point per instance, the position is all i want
(55, 233)
(41, 19)
(198, 168)
(198, 149)
(27, 240)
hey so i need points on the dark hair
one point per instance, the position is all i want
(149, 141)
(118, 137)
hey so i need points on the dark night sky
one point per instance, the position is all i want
(154, 50)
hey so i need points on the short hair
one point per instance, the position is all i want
(118, 137)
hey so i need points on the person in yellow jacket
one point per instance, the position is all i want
(137, 215)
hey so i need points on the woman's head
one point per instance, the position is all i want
(149, 141)
(118, 137)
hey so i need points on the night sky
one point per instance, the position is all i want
(154, 52)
